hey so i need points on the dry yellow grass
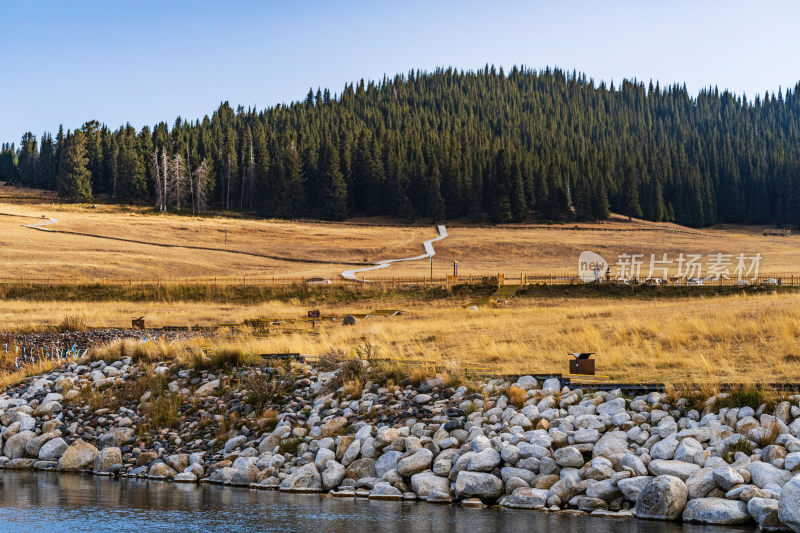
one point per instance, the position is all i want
(739, 339)
(480, 251)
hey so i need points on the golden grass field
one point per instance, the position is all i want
(531, 249)
(753, 338)
(702, 340)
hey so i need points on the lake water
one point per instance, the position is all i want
(50, 502)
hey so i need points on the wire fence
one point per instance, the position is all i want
(522, 279)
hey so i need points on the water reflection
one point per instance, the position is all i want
(33, 502)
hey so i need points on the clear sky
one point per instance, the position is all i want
(146, 61)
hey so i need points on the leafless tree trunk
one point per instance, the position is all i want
(200, 182)
(159, 187)
(177, 180)
(164, 184)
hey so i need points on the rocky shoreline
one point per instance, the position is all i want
(521, 445)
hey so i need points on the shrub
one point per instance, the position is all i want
(517, 396)
(289, 445)
(742, 445)
(72, 323)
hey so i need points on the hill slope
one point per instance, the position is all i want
(447, 144)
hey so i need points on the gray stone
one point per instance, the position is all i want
(726, 477)
(185, 477)
(569, 457)
(387, 462)
(679, 469)
(332, 475)
(700, 483)
(664, 449)
(77, 457)
(349, 320)
(415, 463)
(605, 490)
(426, 482)
(15, 445)
(789, 504)
(717, 511)
(691, 451)
(384, 491)
(305, 478)
(106, 458)
(551, 385)
(632, 487)
(161, 470)
(610, 444)
(115, 437)
(53, 449)
(662, 499)
(527, 498)
(484, 461)
(235, 442)
(764, 473)
(361, 468)
(478, 485)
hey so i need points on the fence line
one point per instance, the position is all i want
(774, 279)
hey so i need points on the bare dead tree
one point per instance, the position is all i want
(159, 186)
(164, 184)
(200, 184)
(177, 180)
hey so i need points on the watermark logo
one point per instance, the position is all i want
(694, 268)
(591, 267)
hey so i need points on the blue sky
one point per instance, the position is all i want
(143, 62)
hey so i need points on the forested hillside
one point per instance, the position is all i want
(548, 145)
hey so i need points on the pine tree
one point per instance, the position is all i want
(333, 187)
(75, 179)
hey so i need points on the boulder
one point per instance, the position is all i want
(269, 442)
(161, 470)
(116, 437)
(426, 482)
(527, 498)
(484, 461)
(53, 449)
(569, 456)
(304, 478)
(384, 491)
(632, 487)
(34, 445)
(701, 483)
(178, 461)
(332, 426)
(333, 475)
(789, 504)
(610, 444)
(415, 463)
(387, 462)
(726, 477)
(361, 468)
(664, 498)
(679, 469)
(77, 457)
(207, 388)
(478, 485)
(718, 511)
(106, 458)
(15, 445)
(764, 473)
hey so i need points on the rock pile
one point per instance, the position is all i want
(595, 452)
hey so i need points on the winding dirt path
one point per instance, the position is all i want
(429, 252)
